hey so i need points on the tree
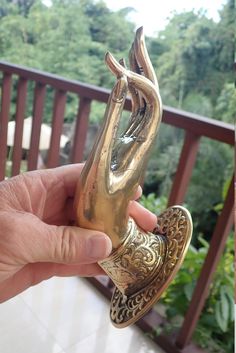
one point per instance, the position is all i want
(186, 63)
(226, 104)
(22, 7)
(225, 34)
(194, 55)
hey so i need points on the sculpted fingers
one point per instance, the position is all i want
(143, 61)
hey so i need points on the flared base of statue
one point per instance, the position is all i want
(143, 266)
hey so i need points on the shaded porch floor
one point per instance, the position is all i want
(65, 315)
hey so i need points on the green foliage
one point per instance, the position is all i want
(97, 113)
(215, 327)
(226, 39)
(187, 61)
(194, 59)
(197, 103)
(211, 176)
(154, 204)
(163, 161)
(68, 38)
(226, 104)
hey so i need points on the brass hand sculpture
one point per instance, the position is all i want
(141, 264)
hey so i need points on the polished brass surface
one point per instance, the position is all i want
(141, 264)
(137, 261)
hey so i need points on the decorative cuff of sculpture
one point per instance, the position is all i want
(145, 263)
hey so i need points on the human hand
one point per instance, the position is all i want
(36, 238)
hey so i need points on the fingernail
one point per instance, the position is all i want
(98, 247)
(154, 217)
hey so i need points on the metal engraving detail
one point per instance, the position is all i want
(136, 262)
(176, 224)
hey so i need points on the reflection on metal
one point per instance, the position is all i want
(141, 264)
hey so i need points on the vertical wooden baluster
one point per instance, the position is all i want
(57, 122)
(20, 114)
(184, 170)
(217, 245)
(39, 96)
(81, 130)
(4, 118)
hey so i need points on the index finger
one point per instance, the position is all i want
(69, 174)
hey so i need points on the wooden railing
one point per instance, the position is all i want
(194, 127)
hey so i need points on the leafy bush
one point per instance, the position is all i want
(215, 327)
(154, 204)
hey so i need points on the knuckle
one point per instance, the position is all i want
(67, 246)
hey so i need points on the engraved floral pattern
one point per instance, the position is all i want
(134, 265)
(175, 224)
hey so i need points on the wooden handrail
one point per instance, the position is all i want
(57, 82)
(199, 125)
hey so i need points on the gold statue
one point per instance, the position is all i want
(141, 264)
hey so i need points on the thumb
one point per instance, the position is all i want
(71, 245)
(78, 245)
